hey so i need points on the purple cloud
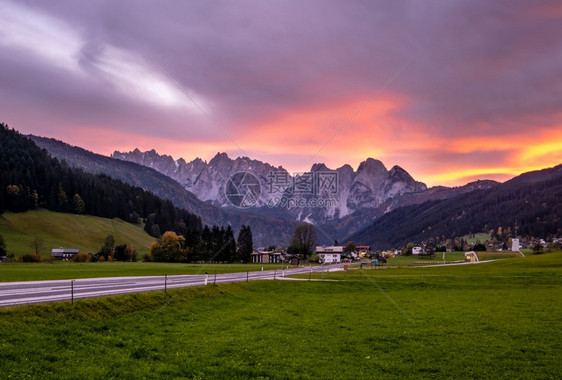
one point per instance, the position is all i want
(137, 66)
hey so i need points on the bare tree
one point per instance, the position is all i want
(37, 245)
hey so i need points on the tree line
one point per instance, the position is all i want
(212, 245)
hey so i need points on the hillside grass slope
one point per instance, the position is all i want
(67, 230)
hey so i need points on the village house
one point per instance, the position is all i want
(263, 256)
(417, 250)
(64, 253)
(360, 251)
(329, 254)
(294, 260)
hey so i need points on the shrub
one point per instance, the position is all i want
(81, 257)
(147, 258)
(479, 247)
(29, 258)
(537, 249)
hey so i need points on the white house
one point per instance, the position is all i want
(329, 254)
(417, 250)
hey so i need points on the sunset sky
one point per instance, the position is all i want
(452, 91)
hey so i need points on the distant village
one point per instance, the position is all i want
(330, 254)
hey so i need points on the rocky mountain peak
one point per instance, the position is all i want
(397, 174)
(219, 158)
(372, 166)
(397, 170)
(320, 167)
(400, 182)
(345, 168)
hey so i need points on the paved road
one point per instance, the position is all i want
(26, 292)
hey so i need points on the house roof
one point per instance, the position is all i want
(329, 249)
(265, 253)
(65, 250)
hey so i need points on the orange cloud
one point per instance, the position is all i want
(327, 134)
(524, 152)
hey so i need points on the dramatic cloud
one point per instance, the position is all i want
(451, 91)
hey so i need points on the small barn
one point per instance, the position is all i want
(294, 260)
(471, 257)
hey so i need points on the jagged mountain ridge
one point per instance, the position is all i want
(371, 186)
(205, 180)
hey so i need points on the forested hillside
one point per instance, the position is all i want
(529, 205)
(30, 179)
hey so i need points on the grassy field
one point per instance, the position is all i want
(70, 270)
(498, 255)
(546, 266)
(67, 230)
(479, 237)
(470, 321)
(449, 256)
(409, 260)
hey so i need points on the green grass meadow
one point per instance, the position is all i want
(449, 256)
(479, 237)
(500, 319)
(57, 230)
